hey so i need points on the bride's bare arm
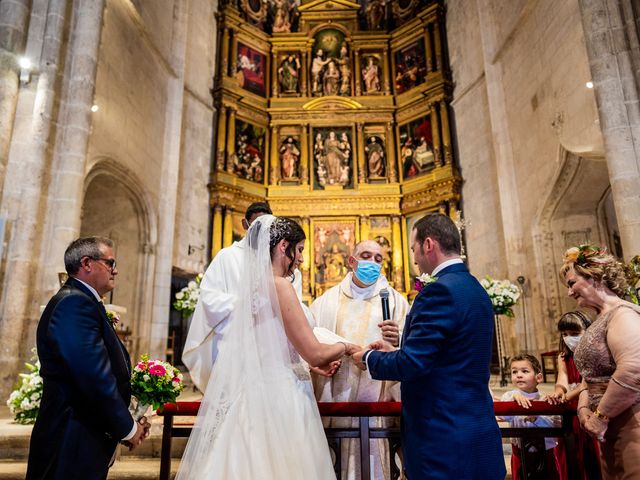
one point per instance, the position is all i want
(299, 332)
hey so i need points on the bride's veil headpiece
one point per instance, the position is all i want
(254, 366)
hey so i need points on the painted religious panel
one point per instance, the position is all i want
(289, 73)
(248, 161)
(371, 74)
(411, 66)
(333, 157)
(374, 150)
(331, 65)
(250, 69)
(289, 151)
(416, 147)
(333, 241)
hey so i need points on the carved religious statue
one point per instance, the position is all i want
(281, 16)
(333, 159)
(330, 79)
(317, 66)
(374, 13)
(289, 158)
(288, 74)
(375, 158)
(345, 70)
(371, 76)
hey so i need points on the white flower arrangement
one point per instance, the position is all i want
(24, 401)
(187, 298)
(423, 280)
(503, 295)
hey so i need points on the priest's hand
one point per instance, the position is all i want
(390, 332)
(328, 370)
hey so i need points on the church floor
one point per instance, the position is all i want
(144, 463)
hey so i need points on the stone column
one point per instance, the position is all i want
(446, 132)
(274, 160)
(361, 154)
(303, 76)
(397, 260)
(386, 72)
(306, 264)
(392, 172)
(216, 244)
(357, 74)
(274, 74)
(365, 228)
(14, 17)
(304, 155)
(231, 139)
(427, 49)
(221, 128)
(227, 238)
(611, 35)
(435, 135)
(23, 185)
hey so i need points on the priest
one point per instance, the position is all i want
(353, 310)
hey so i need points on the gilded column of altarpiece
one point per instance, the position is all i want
(335, 112)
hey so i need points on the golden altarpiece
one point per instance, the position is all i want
(336, 113)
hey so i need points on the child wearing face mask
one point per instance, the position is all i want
(544, 457)
(572, 326)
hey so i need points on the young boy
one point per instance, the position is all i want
(543, 457)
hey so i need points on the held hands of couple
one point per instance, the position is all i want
(380, 345)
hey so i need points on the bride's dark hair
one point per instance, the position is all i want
(284, 228)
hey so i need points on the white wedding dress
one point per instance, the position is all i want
(259, 418)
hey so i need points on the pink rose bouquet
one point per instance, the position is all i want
(154, 383)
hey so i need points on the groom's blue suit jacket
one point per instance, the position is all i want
(449, 430)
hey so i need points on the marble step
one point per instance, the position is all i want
(127, 468)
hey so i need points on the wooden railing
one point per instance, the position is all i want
(365, 410)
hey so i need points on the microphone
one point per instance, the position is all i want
(384, 297)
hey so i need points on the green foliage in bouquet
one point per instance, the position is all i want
(503, 295)
(155, 382)
(24, 401)
(187, 298)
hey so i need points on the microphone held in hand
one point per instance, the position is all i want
(384, 297)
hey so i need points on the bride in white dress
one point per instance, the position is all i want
(259, 418)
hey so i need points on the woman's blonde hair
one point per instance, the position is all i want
(590, 261)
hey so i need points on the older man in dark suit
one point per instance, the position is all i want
(86, 373)
(448, 426)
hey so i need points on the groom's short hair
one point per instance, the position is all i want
(255, 208)
(441, 229)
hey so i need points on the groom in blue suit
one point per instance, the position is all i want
(449, 430)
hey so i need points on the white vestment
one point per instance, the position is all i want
(218, 292)
(357, 319)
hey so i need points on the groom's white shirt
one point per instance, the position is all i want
(218, 293)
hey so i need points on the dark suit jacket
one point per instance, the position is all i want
(86, 374)
(449, 430)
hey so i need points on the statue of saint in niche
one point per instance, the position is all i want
(335, 265)
(345, 71)
(333, 159)
(288, 74)
(281, 16)
(375, 157)
(317, 66)
(289, 159)
(374, 13)
(371, 75)
(330, 79)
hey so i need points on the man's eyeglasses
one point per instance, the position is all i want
(109, 262)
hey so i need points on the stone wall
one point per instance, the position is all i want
(520, 103)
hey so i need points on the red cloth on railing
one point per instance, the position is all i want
(374, 409)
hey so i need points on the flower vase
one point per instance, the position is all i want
(140, 410)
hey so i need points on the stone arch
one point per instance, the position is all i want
(569, 215)
(115, 205)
